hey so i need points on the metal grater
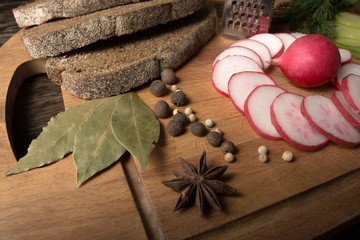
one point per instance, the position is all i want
(243, 19)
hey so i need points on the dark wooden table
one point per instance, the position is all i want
(39, 99)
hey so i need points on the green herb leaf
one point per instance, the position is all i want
(56, 139)
(135, 127)
(95, 147)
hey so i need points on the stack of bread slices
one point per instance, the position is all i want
(101, 48)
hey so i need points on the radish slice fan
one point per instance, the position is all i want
(323, 115)
(237, 50)
(346, 110)
(293, 127)
(257, 110)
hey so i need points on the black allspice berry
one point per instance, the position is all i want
(158, 88)
(178, 98)
(198, 129)
(228, 147)
(162, 109)
(168, 76)
(174, 128)
(181, 117)
(214, 138)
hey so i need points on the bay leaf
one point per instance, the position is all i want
(95, 146)
(57, 138)
(136, 127)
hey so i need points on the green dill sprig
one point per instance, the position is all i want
(313, 16)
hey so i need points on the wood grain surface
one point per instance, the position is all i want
(316, 196)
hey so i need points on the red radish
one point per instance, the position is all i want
(346, 110)
(311, 61)
(286, 38)
(243, 83)
(273, 42)
(298, 34)
(226, 67)
(351, 89)
(346, 69)
(237, 50)
(256, 46)
(323, 115)
(257, 110)
(292, 126)
(345, 55)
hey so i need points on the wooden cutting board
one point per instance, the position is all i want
(315, 195)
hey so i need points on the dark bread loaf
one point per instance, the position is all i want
(120, 64)
(41, 11)
(53, 38)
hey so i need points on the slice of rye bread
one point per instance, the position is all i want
(41, 11)
(53, 38)
(119, 64)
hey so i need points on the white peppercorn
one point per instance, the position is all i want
(192, 118)
(229, 157)
(263, 158)
(173, 88)
(288, 156)
(175, 111)
(209, 123)
(262, 150)
(188, 111)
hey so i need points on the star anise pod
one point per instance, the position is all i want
(199, 183)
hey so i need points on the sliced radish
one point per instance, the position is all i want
(286, 38)
(292, 126)
(346, 69)
(257, 110)
(243, 83)
(351, 89)
(256, 46)
(346, 55)
(273, 42)
(237, 50)
(346, 110)
(323, 115)
(226, 67)
(298, 34)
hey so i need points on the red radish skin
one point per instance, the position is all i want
(345, 55)
(351, 89)
(256, 46)
(346, 110)
(237, 50)
(310, 61)
(272, 42)
(324, 116)
(286, 38)
(226, 67)
(243, 83)
(257, 110)
(292, 126)
(346, 69)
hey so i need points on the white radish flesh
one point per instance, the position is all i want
(286, 38)
(298, 34)
(351, 89)
(292, 126)
(226, 67)
(237, 50)
(345, 55)
(256, 46)
(323, 115)
(346, 69)
(243, 83)
(271, 41)
(346, 110)
(257, 110)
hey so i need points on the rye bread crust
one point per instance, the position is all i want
(53, 38)
(41, 11)
(120, 64)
